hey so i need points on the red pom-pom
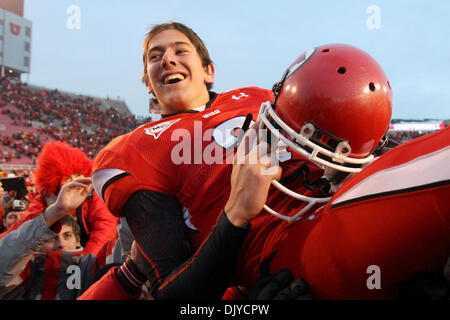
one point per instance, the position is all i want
(56, 162)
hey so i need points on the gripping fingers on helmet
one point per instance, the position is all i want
(297, 290)
(269, 286)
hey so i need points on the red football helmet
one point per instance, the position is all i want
(333, 106)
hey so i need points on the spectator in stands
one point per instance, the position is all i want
(68, 238)
(60, 164)
(13, 212)
(403, 136)
(31, 188)
(41, 259)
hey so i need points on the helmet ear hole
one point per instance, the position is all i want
(341, 70)
(372, 87)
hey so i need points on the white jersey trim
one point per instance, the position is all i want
(187, 219)
(99, 178)
(430, 168)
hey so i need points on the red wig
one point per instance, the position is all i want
(56, 162)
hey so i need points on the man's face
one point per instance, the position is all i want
(176, 75)
(66, 240)
(11, 218)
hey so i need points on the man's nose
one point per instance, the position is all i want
(59, 244)
(168, 59)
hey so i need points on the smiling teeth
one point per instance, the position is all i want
(177, 76)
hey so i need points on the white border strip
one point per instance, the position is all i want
(99, 178)
(423, 170)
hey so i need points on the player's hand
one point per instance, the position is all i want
(280, 286)
(434, 285)
(73, 194)
(69, 198)
(446, 271)
(251, 176)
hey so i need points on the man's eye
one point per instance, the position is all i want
(155, 57)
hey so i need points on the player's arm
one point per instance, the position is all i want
(174, 272)
(158, 228)
(164, 257)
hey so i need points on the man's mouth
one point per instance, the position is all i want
(173, 78)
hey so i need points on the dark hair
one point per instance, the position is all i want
(189, 33)
(70, 221)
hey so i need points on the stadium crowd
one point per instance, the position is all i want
(78, 120)
(403, 136)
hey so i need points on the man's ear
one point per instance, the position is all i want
(209, 77)
(149, 88)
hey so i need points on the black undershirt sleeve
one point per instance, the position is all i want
(174, 272)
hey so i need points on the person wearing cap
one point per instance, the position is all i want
(14, 212)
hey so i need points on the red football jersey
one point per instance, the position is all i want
(385, 224)
(186, 156)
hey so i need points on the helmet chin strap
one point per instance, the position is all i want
(322, 184)
(336, 178)
(309, 200)
(327, 185)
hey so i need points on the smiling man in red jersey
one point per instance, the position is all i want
(193, 229)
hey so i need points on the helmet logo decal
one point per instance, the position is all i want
(308, 54)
